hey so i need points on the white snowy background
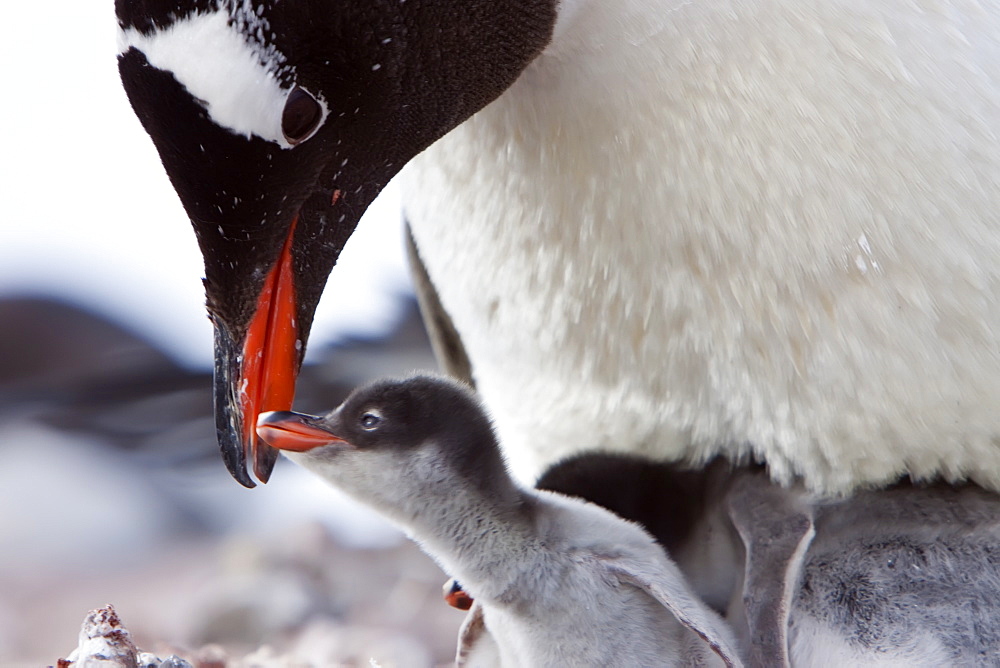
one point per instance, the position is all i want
(90, 217)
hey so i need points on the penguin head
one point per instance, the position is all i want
(397, 444)
(278, 123)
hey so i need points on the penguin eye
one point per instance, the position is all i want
(301, 116)
(370, 421)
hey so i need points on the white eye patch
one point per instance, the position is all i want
(230, 75)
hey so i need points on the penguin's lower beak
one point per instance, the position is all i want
(296, 432)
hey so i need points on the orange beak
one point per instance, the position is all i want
(270, 360)
(296, 432)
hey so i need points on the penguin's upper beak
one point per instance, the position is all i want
(297, 432)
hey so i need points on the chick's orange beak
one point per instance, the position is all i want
(296, 432)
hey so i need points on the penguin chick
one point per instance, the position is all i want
(556, 580)
(899, 576)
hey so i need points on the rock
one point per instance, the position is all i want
(104, 642)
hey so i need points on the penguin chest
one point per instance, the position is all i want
(718, 239)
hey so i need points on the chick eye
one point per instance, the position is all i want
(370, 420)
(301, 116)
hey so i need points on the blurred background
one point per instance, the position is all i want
(111, 486)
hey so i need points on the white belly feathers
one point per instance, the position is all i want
(760, 227)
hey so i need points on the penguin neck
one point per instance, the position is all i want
(486, 539)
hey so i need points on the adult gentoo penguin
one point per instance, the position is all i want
(758, 228)
(558, 581)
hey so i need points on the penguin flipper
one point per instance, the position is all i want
(476, 646)
(444, 337)
(664, 581)
(776, 526)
